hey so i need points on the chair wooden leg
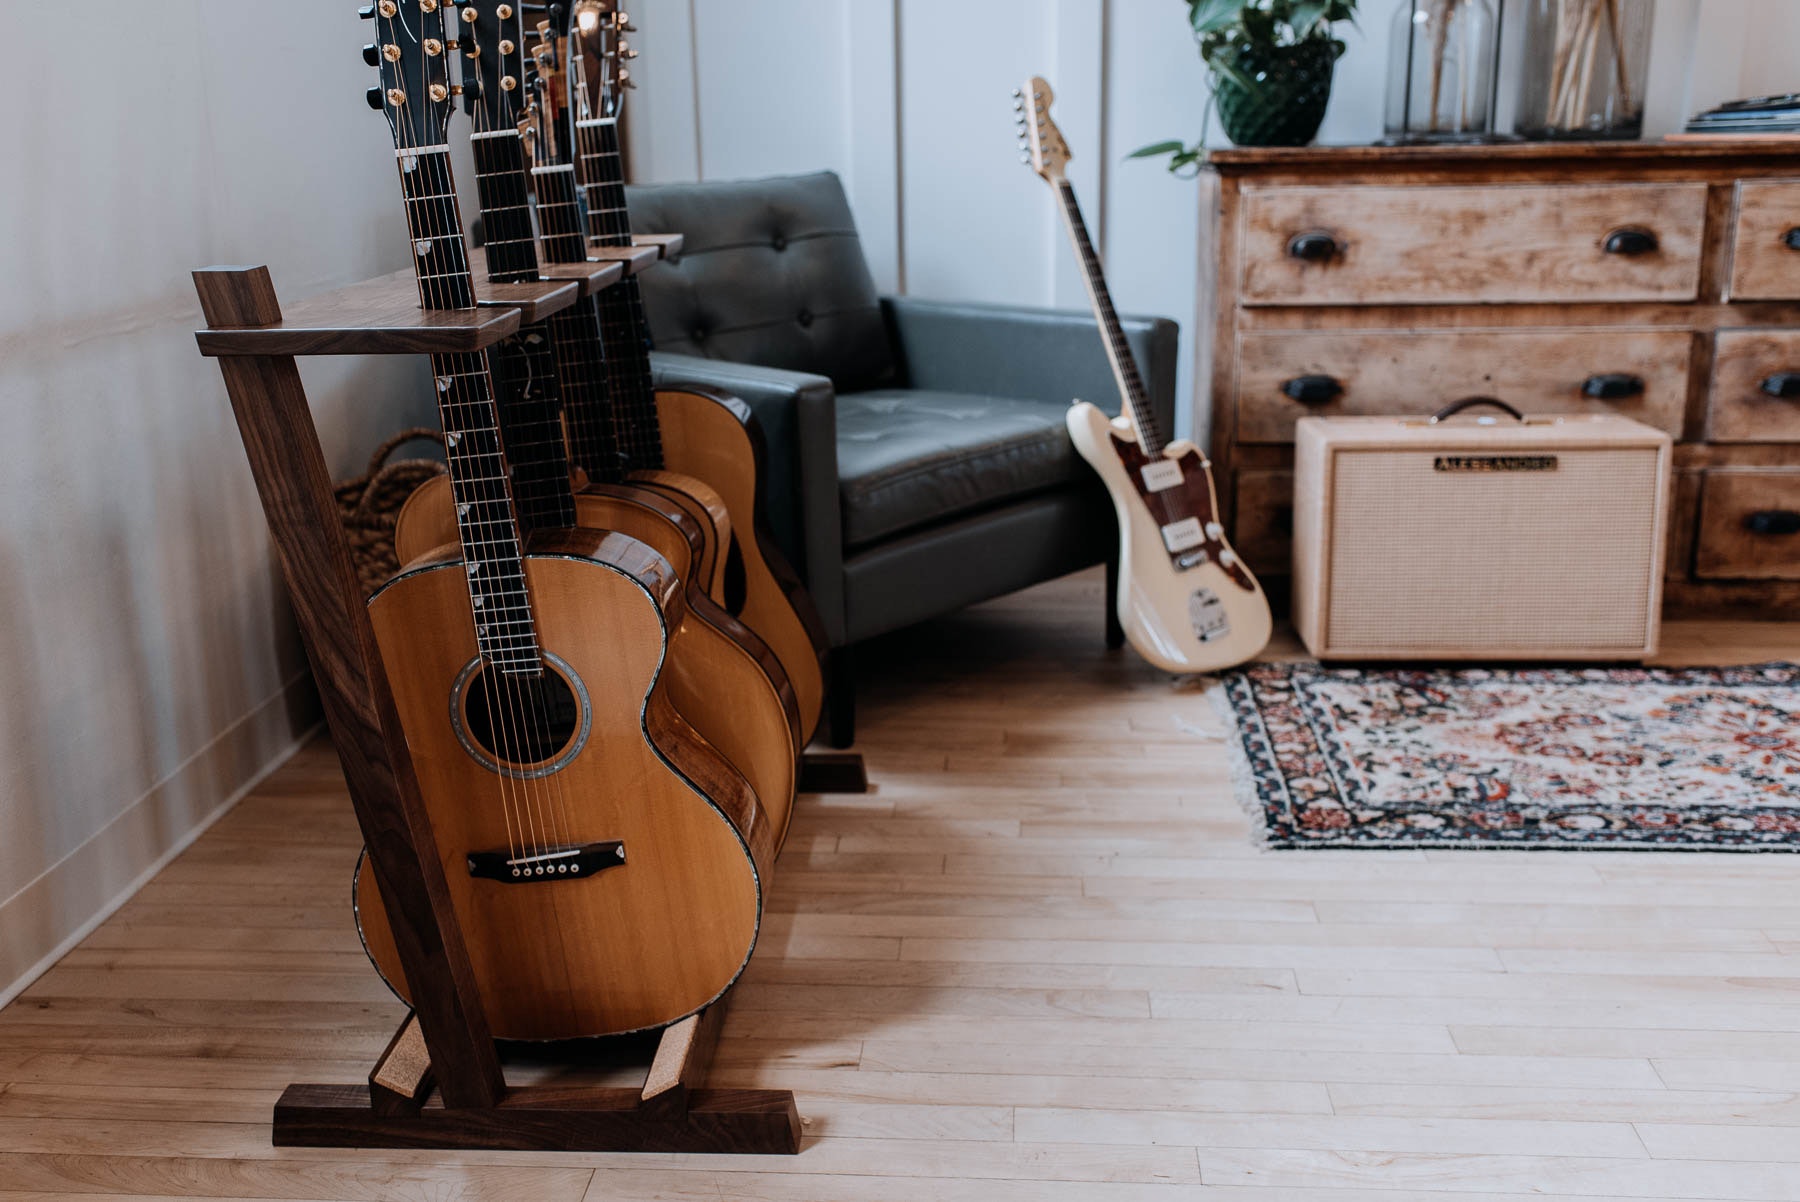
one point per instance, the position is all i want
(840, 698)
(1115, 633)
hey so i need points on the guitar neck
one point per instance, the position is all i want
(1135, 397)
(581, 367)
(603, 179)
(559, 210)
(505, 205)
(486, 518)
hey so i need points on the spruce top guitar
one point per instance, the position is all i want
(1185, 599)
(605, 863)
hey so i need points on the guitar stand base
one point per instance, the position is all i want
(399, 1108)
(833, 772)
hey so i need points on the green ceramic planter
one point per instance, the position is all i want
(1291, 86)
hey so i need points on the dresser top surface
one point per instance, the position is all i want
(1239, 159)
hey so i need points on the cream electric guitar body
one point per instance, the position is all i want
(1185, 599)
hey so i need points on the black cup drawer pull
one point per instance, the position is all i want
(1612, 386)
(1783, 385)
(1314, 246)
(1772, 521)
(1631, 240)
(1313, 390)
(1791, 239)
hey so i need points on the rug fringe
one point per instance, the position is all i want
(1243, 780)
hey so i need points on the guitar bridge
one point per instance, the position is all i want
(558, 863)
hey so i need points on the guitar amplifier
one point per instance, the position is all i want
(1508, 538)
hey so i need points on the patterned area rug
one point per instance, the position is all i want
(1703, 759)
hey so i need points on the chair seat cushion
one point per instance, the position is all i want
(909, 457)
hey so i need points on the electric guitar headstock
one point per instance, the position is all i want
(412, 51)
(494, 65)
(600, 57)
(1041, 144)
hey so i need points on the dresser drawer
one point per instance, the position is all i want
(1292, 374)
(1749, 525)
(1765, 242)
(1755, 387)
(1445, 245)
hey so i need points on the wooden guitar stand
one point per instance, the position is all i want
(440, 1083)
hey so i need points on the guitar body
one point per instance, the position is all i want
(639, 943)
(1186, 601)
(713, 437)
(721, 677)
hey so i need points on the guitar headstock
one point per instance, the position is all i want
(600, 57)
(546, 73)
(412, 51)
(494, 69)
(1041, 145)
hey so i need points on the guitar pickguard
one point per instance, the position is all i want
(1182, 507)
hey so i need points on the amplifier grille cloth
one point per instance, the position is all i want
(1425, 559)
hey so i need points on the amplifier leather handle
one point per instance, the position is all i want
(1612, 386)
(1469, 402)
(1313, 246)
(1630, 240)
(1772, 521)
(1783, 385)
(1312, 390)
(1791, 239)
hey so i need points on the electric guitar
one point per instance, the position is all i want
(722, 678)
(605, 864)
(1185, 599)
(687, 432)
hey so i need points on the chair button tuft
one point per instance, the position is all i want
(804, 317)
(780, 242)
(698, 334)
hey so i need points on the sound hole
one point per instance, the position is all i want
(521, 720)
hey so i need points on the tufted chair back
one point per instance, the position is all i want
(771, 273)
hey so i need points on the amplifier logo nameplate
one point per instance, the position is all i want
(1494, 463)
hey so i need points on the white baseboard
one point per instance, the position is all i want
(42, 921)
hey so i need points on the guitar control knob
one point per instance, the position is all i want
(1215, 531)
(1226, 558)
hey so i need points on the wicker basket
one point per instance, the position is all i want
(370, 504)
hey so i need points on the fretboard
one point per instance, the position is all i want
(531, 409)
(505, 205)
(505, 632)
(486, 520)
(559, 210)
(603, 180)
(1118, 351)
(582, 376)
(627, 338)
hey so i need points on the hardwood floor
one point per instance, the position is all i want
(1041, 961)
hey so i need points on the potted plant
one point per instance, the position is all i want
(1271, 63)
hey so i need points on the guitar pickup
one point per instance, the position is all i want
(560, 863)
(1161, 475)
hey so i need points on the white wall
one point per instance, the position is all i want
(910, 101)
(149, 664)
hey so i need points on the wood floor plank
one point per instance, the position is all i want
(1040, 961)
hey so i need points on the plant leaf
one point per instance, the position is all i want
(1209, 15)
(1157, 148)
(1306, 15)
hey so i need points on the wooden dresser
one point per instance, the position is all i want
(1656, 280)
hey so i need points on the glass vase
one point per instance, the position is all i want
(1441, 71)
(1583, 68)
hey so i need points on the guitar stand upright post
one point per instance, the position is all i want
(439, 1084)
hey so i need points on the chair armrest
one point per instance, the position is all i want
(797, 413)
(1045, 354)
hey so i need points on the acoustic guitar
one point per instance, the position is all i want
(1185, 599)
(605, 863)
(691, 432)
(722, 678)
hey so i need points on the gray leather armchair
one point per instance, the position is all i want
(918, 460)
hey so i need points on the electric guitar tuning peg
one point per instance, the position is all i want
(366, 12)
(372, 54)
(376, 98)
